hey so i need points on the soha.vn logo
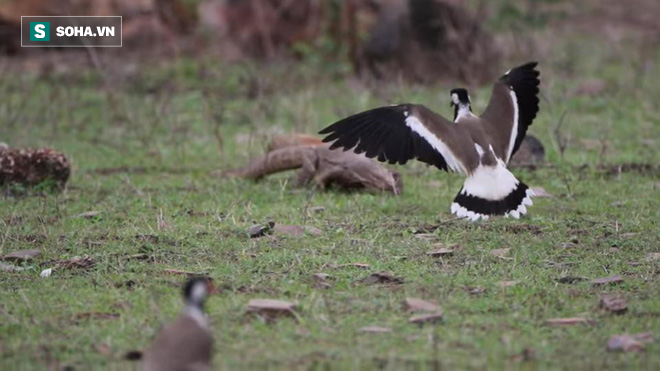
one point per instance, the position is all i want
(39, 31)
(84, 31)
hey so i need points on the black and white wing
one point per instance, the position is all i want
(513, 106)
(398, 133)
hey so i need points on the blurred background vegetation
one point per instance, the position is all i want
(230, 62)
(420, 41)
(254, 49)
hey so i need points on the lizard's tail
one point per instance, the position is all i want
(283, 159)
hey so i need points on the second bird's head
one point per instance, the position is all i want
(196, 291)
(459, 97)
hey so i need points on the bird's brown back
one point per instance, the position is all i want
(182, 345)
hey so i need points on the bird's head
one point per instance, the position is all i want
(196, 291)
(460, 100)
(459, 97)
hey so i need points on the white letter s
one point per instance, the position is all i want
(39, 31)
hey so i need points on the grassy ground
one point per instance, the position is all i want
(148, 152)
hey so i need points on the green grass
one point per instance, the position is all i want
(138, 154)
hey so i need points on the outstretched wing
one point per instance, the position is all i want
(396, 134)
(513, 106)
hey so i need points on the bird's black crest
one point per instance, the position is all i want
(462, 95)
(188, 288)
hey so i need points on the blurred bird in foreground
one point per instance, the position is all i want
(184, 345)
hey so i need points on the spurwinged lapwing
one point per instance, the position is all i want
(186, 343)
(479, 147)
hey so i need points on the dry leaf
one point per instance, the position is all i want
(375, 329)
(440, 252)
(426, 318)
(88, 214)
(540, 192)
(426, 236)
(607, 280)
(507, 283)
(476, 290)
(21, 255)
(614, 304)
(181, 273)
(356, 265)
(79, 262)
(419, 305)
(570, 321)
(382, 278)
(571, 279)
(500, 253)
(624, 343)
(270, 309)
(270, 304)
